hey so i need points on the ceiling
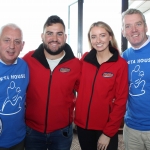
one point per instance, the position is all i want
(142, 5)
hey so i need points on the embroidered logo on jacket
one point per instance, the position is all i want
(107, 75)
(64, 70)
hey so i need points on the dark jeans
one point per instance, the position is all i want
(19, 146)
(57, 140)
(88, 139)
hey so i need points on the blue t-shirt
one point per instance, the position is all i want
(13, 84)
(138, 106)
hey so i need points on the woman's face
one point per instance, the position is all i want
(99, 38)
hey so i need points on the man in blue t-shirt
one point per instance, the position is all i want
(14, 78)
(136, 132)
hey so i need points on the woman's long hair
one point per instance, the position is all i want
(101, 24)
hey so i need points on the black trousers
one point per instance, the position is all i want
(88, 139)
(19, 146)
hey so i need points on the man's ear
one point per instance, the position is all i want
(66, 36)
(23, 43)
(42, 36)
(146, 28)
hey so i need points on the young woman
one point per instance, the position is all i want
(103, 91)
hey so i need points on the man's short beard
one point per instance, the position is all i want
(51, 52)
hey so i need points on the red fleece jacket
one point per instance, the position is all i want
(102, 95)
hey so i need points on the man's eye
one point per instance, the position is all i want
(60, 34)
(6, 40)
(139, 24)
(92, 37)
(49, 33)
(17, 42)
(127, 27)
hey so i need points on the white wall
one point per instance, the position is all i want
(147, 17)
(31, 15)
(108, 11)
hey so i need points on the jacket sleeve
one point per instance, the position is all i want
(119, 102)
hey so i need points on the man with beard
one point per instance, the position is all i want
(54, 75)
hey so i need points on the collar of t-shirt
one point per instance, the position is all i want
(6, 64)
(53, 63)
(147, 41)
